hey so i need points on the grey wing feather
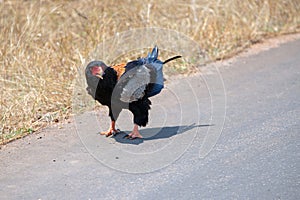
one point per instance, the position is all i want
(138, 79)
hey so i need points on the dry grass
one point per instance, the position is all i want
(42, 43)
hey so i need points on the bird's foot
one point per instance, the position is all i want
(110, 132)
(134, 134)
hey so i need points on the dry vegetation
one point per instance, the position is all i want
(43, 42)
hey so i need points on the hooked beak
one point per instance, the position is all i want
(99, 76)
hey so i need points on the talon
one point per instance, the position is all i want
(110, 132)
(133, 138)
(106, 133)
(115, 132)
(134, 134)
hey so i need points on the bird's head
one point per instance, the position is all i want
(96, 68)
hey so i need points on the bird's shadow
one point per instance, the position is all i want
(156, 133)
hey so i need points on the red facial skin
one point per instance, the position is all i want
(96, 70)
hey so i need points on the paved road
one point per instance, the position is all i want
(257, 154)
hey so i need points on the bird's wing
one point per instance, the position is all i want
(134, 81)
(140, 77)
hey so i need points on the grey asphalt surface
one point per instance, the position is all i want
(256, 156)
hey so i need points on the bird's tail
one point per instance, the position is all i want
(170, 59)
(153, 55)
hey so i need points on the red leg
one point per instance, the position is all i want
(111, 130)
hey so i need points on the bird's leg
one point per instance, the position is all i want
(112, 130)
(135, 133)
